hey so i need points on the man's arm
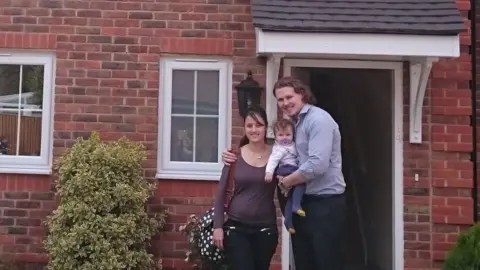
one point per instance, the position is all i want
(320, 145)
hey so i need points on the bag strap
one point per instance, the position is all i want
(230, 183)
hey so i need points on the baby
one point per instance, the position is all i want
(284, 155)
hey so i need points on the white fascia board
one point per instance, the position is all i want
(356, 44)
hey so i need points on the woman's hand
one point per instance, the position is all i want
(228, 157)
(218, 238)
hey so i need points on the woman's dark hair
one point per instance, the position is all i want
(255, 112)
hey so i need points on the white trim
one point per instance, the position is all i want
(398, 228)
(34, 164)
(419, 74)
(167, 169)
(273, 70)
(397, 144)
(356, 44)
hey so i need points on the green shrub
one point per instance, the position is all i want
(101, 221)
(466, 254)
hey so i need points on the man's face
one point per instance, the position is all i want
(289, 102)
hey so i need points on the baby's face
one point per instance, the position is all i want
(284, 136)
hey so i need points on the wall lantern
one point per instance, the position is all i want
(249, 92)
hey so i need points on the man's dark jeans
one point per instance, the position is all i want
(319, 239)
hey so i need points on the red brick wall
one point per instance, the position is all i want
(108, 56)
(440, 204)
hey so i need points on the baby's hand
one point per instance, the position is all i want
(268, 177)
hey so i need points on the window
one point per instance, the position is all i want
(25, 112)
(194, 112)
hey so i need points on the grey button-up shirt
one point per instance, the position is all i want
(318, 141)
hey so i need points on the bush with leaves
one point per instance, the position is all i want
(193, 229)
(101, 221)
(466, 254)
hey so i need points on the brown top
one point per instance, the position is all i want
(252, 200)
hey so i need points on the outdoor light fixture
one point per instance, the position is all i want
(248, 93)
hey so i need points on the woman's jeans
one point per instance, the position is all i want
(249, 247)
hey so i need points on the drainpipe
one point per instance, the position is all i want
(473, 53)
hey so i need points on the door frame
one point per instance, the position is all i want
(397, 144)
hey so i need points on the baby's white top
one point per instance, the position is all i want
(282, 153)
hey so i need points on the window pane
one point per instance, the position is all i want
(20, 111)
(206, 146)
(181, 145)
(9, 86)
(32, 87)
(182, 91)
(20, 134)
(207, 92)
(8, 133)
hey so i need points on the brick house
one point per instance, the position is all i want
(162, 73)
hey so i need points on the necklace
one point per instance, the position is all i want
(258, 155)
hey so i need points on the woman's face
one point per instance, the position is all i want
(255, 128)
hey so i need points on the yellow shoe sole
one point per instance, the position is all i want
(301, 213)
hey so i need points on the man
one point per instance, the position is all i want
(318, 242)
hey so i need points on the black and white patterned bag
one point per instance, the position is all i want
(207, 249)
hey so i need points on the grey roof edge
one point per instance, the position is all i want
(353, 30)
(267, 17)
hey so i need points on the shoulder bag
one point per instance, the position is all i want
(207, 249)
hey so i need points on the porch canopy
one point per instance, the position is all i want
(417, 31)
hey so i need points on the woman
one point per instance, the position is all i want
(318, 242)
(251, 236)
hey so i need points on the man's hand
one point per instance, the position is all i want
(228, 157)
(285, 181)
(283, 189)
(292, 179)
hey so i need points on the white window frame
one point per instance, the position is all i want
(34, 164)
(167, 169)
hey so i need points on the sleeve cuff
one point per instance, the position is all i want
(307, 173)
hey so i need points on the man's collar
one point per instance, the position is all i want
(305, 109)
